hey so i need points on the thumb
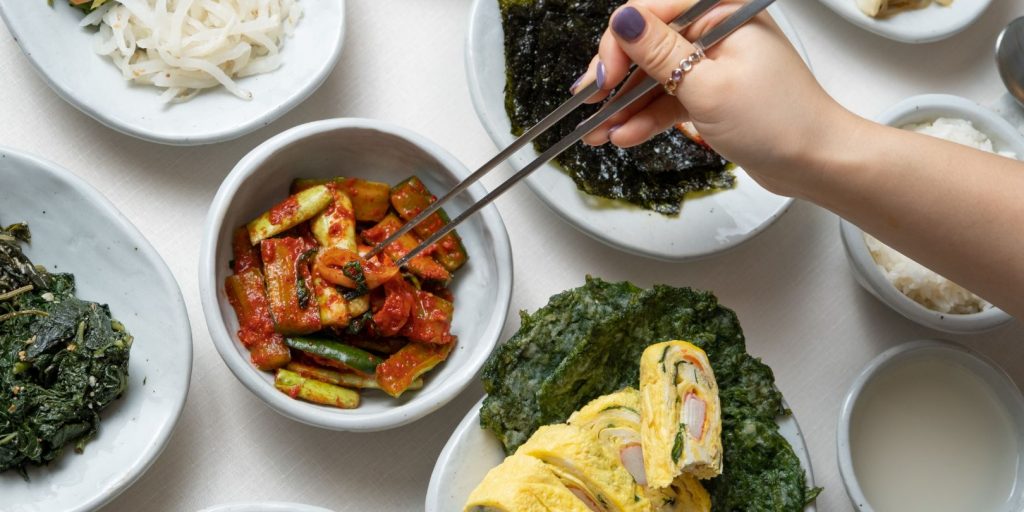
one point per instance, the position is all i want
(649, 42)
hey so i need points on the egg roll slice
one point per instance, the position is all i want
(522, 484)
(615, 420)
(589, 468)
(682, 424)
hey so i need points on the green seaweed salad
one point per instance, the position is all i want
(62, 360)
(548, 44)
(587, 342)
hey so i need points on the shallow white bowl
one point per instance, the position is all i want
(707, 224)
(62, 53)
(1001, 383)
(472, 451)
(75, 229)
(932, 23)
(919, 109)
(375, 150)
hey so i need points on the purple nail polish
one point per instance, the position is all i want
(576, 84)
(629, 24)
(612, 130)
(600, 75)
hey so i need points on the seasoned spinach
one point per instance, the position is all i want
(548, 43)
(587, 342)
(62, 360)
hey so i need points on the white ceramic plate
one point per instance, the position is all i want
(920, 109)
(472, 451)
(62, 53)
(75, 229)
(706, 225)
(268, 506)
(917, 26)
(375, 150)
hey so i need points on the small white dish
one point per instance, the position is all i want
(932, 23)
(266, 506)
(62, 53)
(472, 451)
(375, 150)
(1000, 383)
(919, 109)
(75, 229)
(707, 224)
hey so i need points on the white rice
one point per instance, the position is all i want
(913, 280)
(185, 46)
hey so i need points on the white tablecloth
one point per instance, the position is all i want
(403, 62)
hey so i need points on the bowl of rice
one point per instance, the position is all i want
(909, 288)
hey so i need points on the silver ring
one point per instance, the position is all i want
(684, 67)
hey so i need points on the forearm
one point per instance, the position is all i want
(954, 209)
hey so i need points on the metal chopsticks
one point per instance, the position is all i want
(616, 104)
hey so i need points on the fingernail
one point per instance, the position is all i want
(576, 84)
(600, 75)
(629, 23)
(612, 130)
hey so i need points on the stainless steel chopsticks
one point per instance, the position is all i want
(616, 104)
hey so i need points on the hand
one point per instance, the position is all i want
(752, 99)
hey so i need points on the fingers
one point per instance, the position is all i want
(600, 134)
(661, 114)
(648, 41)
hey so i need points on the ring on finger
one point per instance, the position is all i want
(685, 65)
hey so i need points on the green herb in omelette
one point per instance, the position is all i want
(62, 360)
(587, 342)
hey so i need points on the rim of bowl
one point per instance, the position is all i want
(199, 139)
(995, 378)
(471, 55)
(914, 110)
(311, 414)
(163, 273)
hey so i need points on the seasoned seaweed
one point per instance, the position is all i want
(548, 43)
(62, 360)
(587, 342)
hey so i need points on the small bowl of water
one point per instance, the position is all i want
(932, 425)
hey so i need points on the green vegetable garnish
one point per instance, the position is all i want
(587, 342)
(62, 360)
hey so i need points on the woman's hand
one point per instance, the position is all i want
(752, 99)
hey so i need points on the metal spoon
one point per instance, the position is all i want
(1010, 58)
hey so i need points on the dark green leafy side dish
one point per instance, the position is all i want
(548, 44)
(62, 360)
(587, 342)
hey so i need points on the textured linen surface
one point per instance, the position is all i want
(403, 62)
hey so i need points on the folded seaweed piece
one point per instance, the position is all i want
(587, 342)
(548, 43)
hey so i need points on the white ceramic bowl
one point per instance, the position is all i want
(63, 54)
(918, 109)
(472, 451)
(932, 23)
(1001, 384)
(379, 151)
(708, 224)
(75, 229)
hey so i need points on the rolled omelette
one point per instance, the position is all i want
(615, 419)
(682, 417)
(589, 468)
(522, 484)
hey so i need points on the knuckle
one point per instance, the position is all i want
(661, 52)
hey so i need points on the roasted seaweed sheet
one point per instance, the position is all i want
(548, 43)
(587, 342)
(62, 360)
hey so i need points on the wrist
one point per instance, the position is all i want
(833, 149)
